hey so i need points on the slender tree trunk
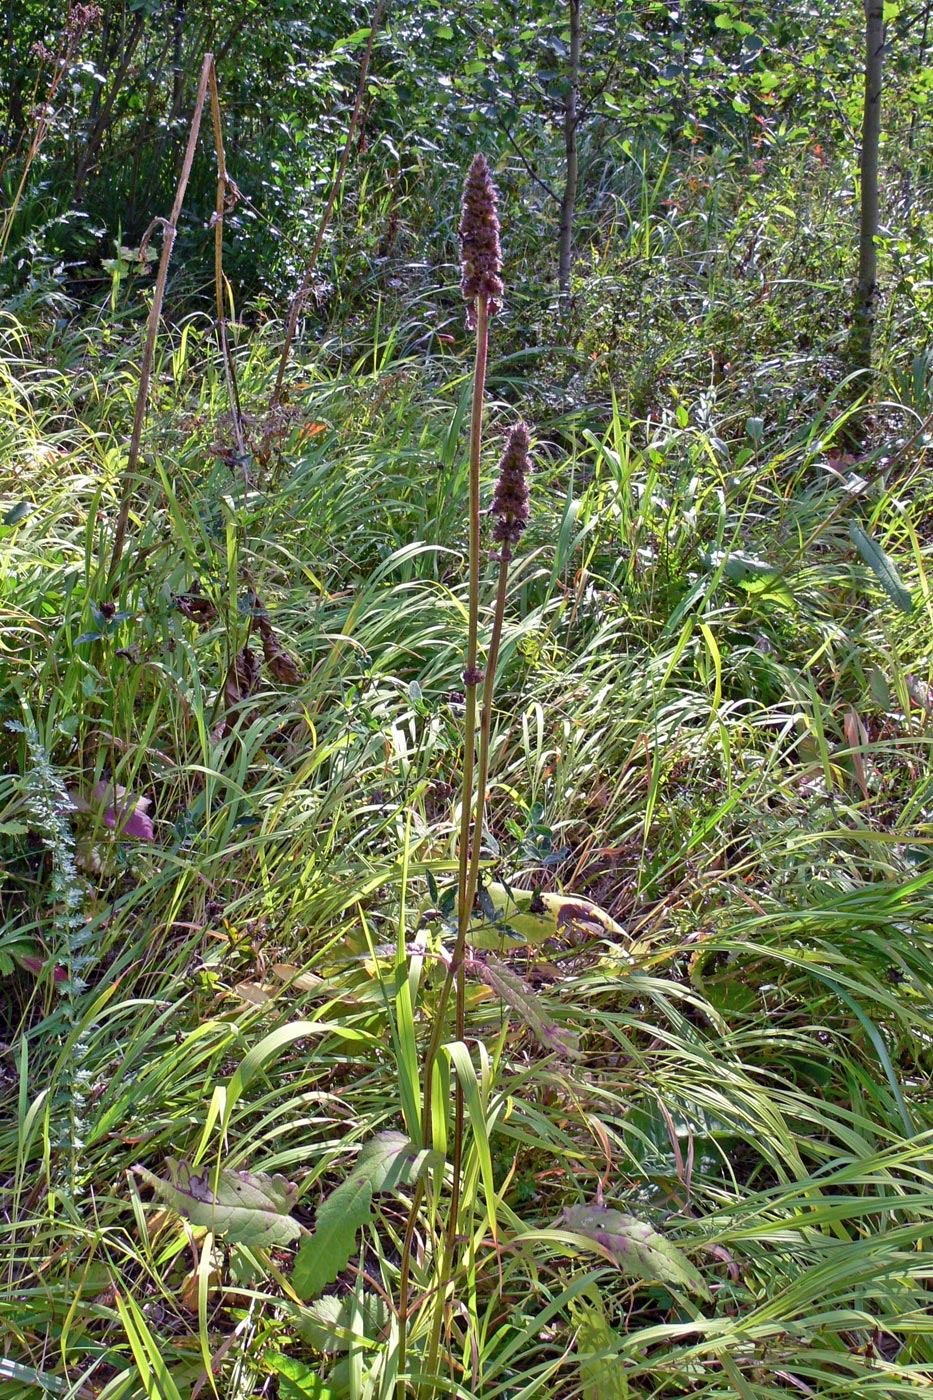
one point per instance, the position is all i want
(571, 158)
(867, 290)
(104, 114)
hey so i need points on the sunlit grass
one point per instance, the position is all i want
(710, 718)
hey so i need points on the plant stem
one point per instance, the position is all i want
(455, 976)
(454, 971)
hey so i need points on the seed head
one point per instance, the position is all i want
(480, 253)
(510, 504)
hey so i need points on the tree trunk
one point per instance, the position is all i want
(867, 290)
(571, 119)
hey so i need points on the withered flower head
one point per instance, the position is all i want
(480, 253)
(81, 18)
(510, 504)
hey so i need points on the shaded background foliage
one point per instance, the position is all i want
(658, 82)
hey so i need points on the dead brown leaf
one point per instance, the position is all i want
(282, 665)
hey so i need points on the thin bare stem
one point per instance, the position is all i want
(145, 370)
(226, 191)
(469, 722)
(455, 971)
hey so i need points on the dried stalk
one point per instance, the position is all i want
(169, 227)
(226, 191)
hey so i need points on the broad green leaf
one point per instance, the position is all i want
(323, 1254)
(768, 590)
(242, 1207)
(18, 512)
(387, 1160)
(887, 575)
(737, 565)
(295, 1380)
(333, 1324)
(637, 1247)
(878, 688)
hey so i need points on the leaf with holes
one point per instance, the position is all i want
(635, 1246)
(242, 1207)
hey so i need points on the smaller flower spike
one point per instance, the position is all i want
(510, 504)
(480, 253)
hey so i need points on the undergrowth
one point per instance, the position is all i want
(697, 1127)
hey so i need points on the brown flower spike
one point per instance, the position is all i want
(510, 504)
(480, 252)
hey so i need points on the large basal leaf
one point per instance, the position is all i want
(241, 1207)
(296, 1381)
(637, 1247)
(885, 572)
(387, 1160)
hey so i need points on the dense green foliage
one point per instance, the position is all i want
(698, 1126)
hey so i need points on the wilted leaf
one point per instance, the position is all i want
(254, 993)
(242, 1207)
(920, 693)
(296, 979)
(196, 607)
(119, 809)
(39, 965)
(386, 1161)
(242, 680)
(281, 663)
(857, 739)
(884, 570)
(637, 1247)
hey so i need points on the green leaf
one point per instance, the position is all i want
(334, 1325)
(387, 1160)
(737, 565)
(295, 1380)
(878, 688)
(242, 1207)
(323, 1254)
(768, 590)
(887, 575)
(18, 512)
(602, 1370)
(637, 1247)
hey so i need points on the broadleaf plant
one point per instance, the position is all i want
(241, 1207)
